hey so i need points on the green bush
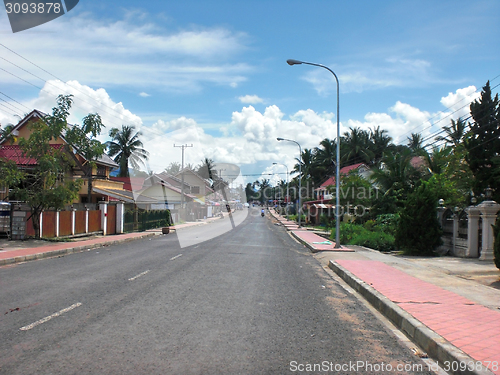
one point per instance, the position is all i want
(368, 235)
(375, 240)
(418, 231)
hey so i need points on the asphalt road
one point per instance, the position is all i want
(250, 301)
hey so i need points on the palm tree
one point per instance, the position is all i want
(173, 168)
(415, 143)
(454, 133)
(356, 147)
(396, 174)
(126, 148)
(207, 169)
(380, 142)
(326, 157)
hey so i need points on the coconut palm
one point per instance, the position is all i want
(454, 133)
(356, 147)
(126, 148)
(415, 143)
(326, 156)
(380, 142)
(207, 169)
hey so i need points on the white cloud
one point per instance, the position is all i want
(132, 51)
(458, 103)
(85, 100)
(250, 99)
(144, 94)
(379, 74)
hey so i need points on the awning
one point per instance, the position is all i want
(320, 205)
(124, 195)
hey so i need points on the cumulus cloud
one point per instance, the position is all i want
(250, 99)
(403, 119)
(458, 103)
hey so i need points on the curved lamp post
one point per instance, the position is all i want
(287, 184)
(300, 172)
(337, 178)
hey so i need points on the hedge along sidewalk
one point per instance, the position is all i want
(56, 249)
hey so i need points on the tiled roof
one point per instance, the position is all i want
(16, 154)
(344, 171)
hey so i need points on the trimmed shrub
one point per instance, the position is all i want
(418, 231)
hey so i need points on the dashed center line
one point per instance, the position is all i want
(177, 256)
(47, 318)
(139, 275)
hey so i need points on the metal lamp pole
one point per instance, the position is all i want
(337, 178)
(287, 186)
(300, 172)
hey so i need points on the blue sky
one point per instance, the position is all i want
(214, 73)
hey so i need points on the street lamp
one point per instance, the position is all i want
(287, 185)
(300, 172)
(337, 178)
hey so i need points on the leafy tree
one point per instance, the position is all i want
(250, 192)
(83, 139)
(173, 168)
(483, 142)
(45, 185)
(264, 190)
(418, 230)
(6, 133)
(126, 148)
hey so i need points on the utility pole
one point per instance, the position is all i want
(182, 176)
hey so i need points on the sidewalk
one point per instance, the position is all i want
(448, 306)
(22, 251)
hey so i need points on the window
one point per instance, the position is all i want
(195, 190)
(101, 171)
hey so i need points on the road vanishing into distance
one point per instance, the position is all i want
(249, 301)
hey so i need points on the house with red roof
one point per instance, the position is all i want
(101, 183)
(360, 168)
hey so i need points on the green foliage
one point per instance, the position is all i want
(48, 183)
(126, 148)
(483, 142)
(496, 244)
(418, 231)
(369, 235)
(396, 178)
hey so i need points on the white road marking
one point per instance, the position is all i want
(177, 256)
(47, 318)
(139, 275)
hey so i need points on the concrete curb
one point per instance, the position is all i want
(76, 249)
(433, 344)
